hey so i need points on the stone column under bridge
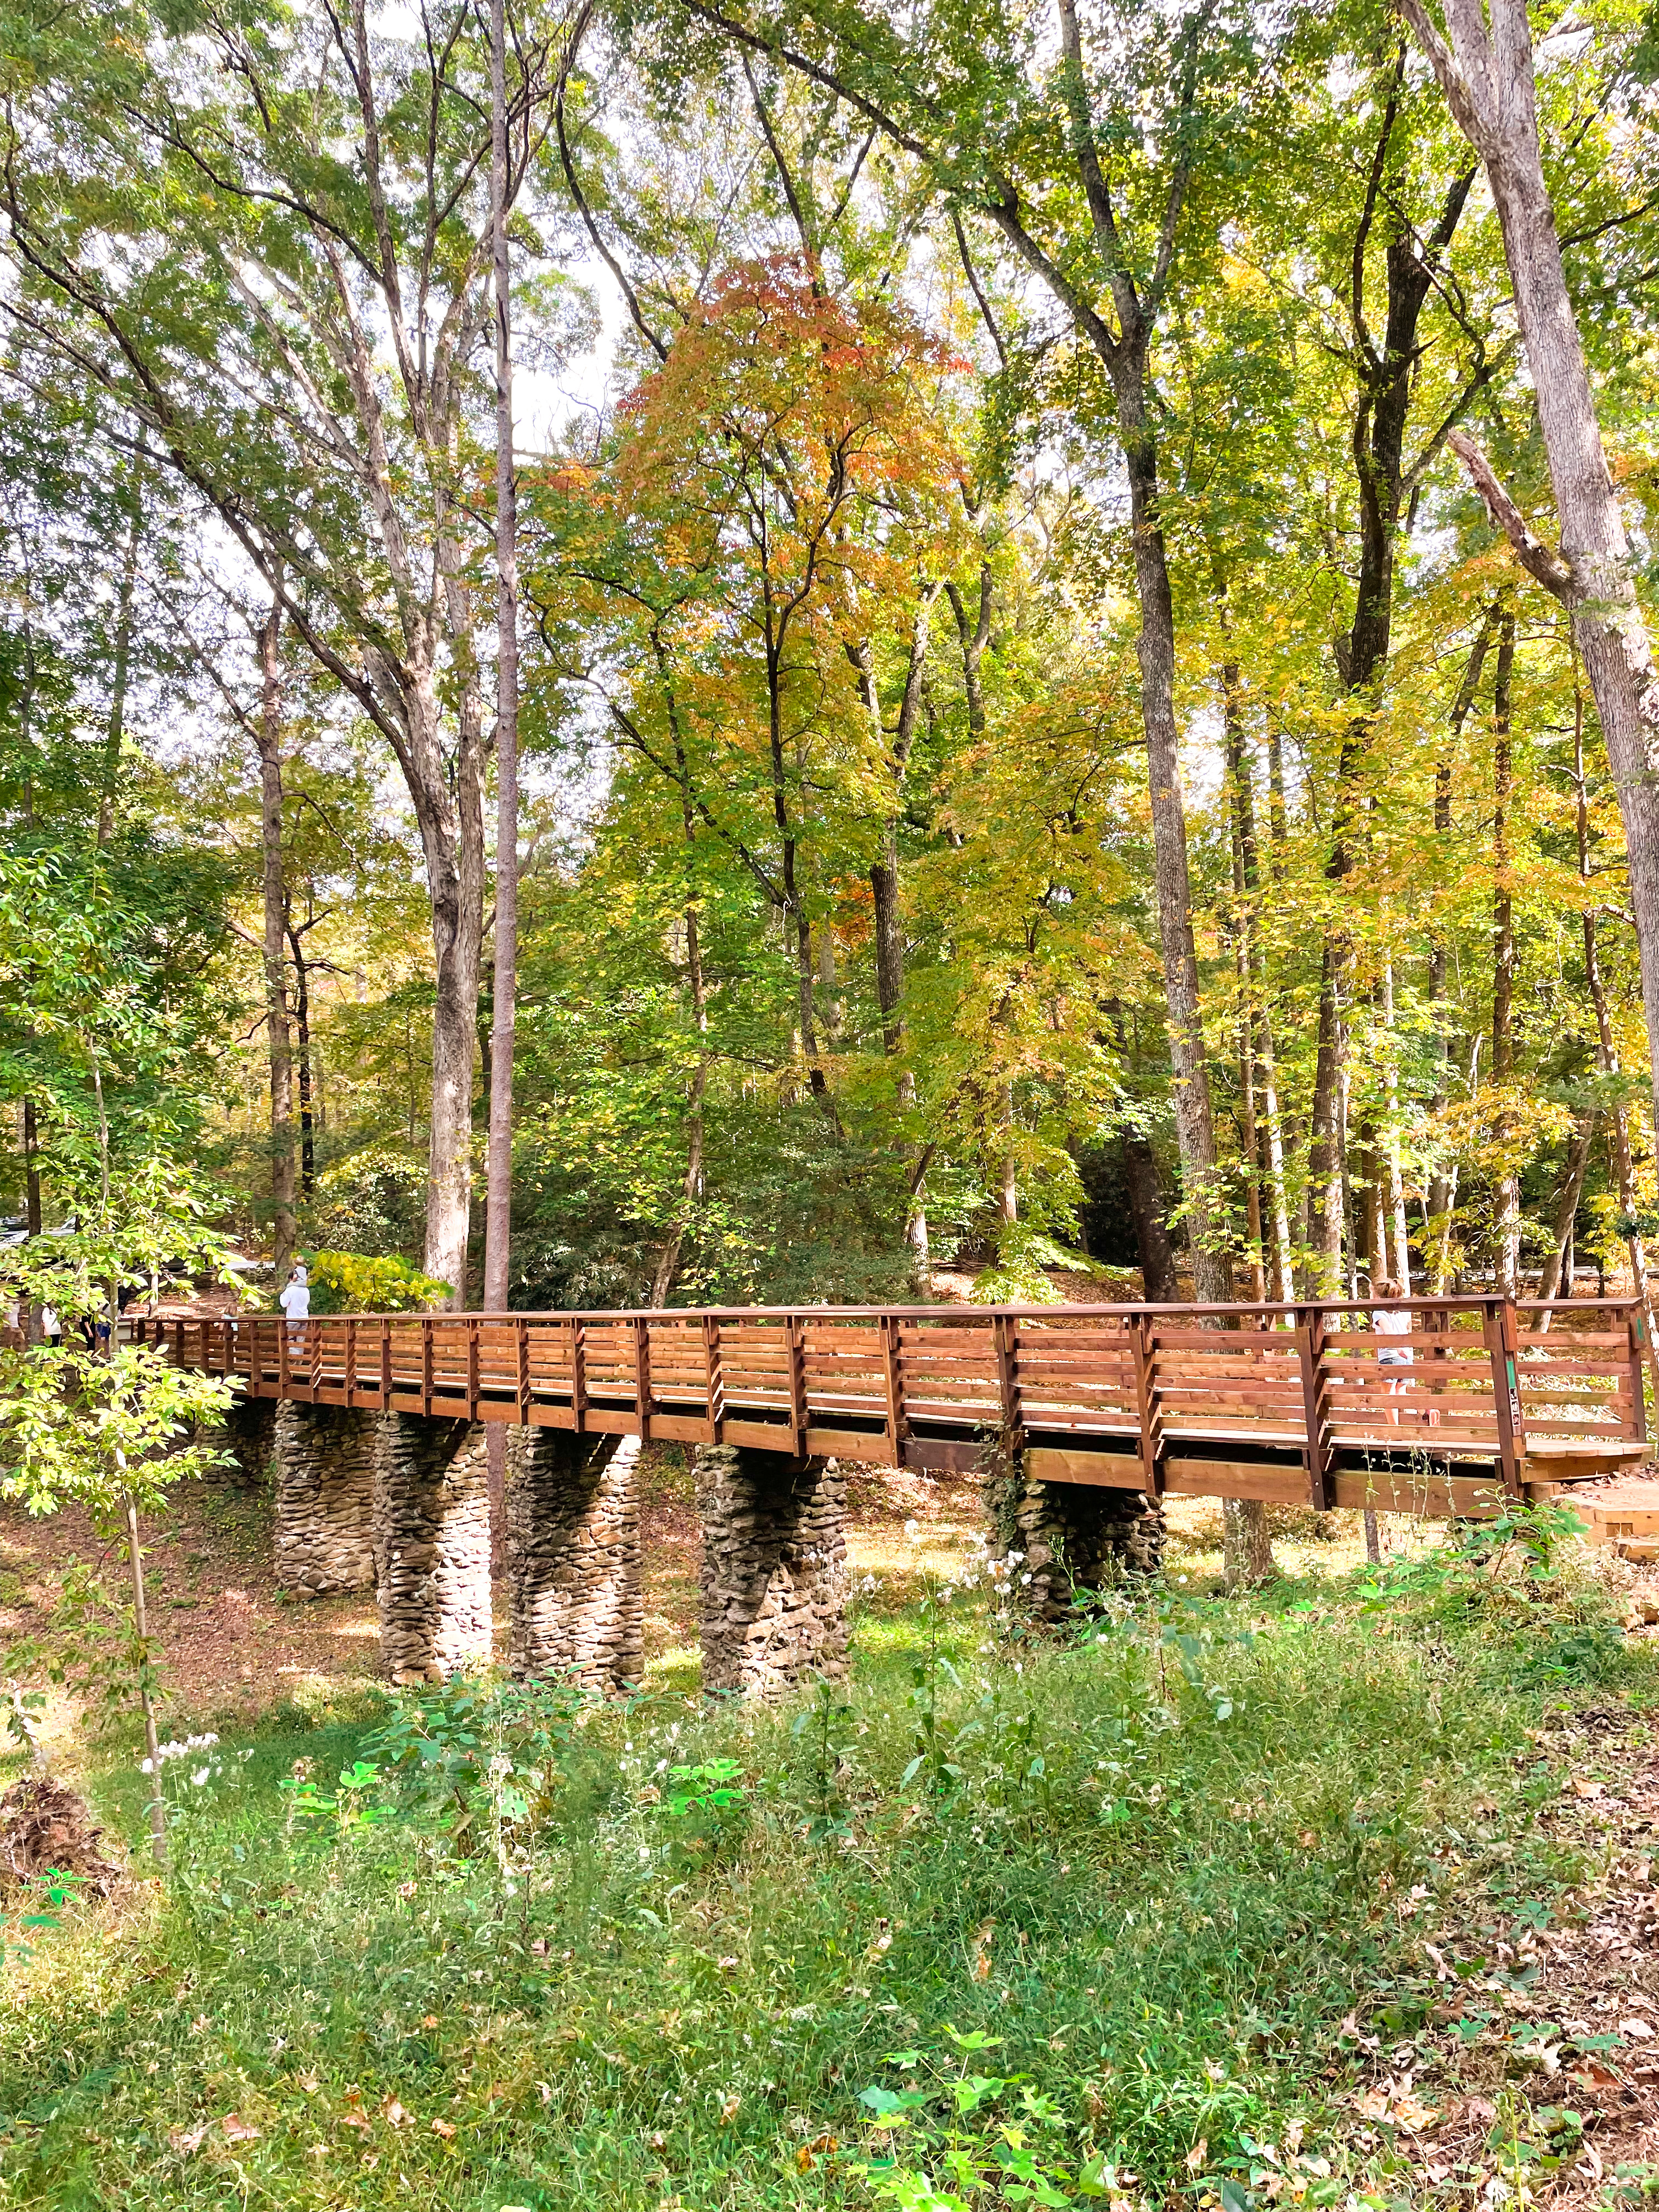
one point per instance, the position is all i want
(432, 1546)
(1076, 1536)
(774, 1578)
(325, 1459)
(573, 1557)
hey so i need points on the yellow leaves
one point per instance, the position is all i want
(1504, 1126)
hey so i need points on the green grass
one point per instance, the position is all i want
(1161, 1866)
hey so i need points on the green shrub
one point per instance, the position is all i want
(356, 1282)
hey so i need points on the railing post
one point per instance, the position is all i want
(521, 1333)
(1005, 1337)
(893, 1367)
(642, 1375)
(712, 1383)
(794, 1338)
(428, 1328)
(1311, 1353)
(284, 1379)
(1147, 1408)
(1634, 1324)
(351, 1360)
(1498, 1319)
(578, 1376)
(473, 1370)
(385, 1366)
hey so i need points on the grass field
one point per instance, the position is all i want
(1205, 1903)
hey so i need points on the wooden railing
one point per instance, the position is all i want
(1299, 1402)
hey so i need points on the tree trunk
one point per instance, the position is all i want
(158, 1818)
(1213, 1272)
(1506, 1188)
(1159, 1278)
(1487, 74)
(1566, 1209)
(1400, 1266)
(115, 730)
(1441, 1186)
(268, 738)
(498, 1181)
(31, 1169)
(888, 925)
(1387, 379)
(1606, 1059)
(302, 1038)
(1242, 808)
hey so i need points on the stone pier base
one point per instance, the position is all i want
(247, 1437)
(432, 1546)
(1079, 1536)
(774, 1570)
(325, 1459)
(573, 1557)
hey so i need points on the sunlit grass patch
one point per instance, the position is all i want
(1145, 1880)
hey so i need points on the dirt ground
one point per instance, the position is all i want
(233, 1645)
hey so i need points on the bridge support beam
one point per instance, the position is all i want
(574, 1557)
(1076, 1536)
(432, 1546)
(774, 1570)
(325, 1460)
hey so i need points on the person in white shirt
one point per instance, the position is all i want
(51, 1330)
(1392, 1320)
(295, 1300)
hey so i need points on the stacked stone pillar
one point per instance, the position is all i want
(573, 1557)
(1080, 1536)
(1075, 1536)
(325, 1458)
(774, 1574)
(432, 1546)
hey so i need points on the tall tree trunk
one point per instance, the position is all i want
(498, 1180)
(888, 925)
(1487, 74)
(268, 738)
(668, 1261)
(302, 1040)
(1400, 1263)
(1008, 1197)
(1242, 808)
(1506, 1187)
(1566, 1209)
(1606, 1054)
(1126, 354)
(498, 1156)
(1386, 375)
(31, 1169)
(115, 729)
(455, 887)
(1213, 1272)
(1441, 1185)
(1159, 1280)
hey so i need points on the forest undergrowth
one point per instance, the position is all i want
(1197, 1903)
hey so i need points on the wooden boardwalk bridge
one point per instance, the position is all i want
(1310, 1403)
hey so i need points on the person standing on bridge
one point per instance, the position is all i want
(1392, 1320)
(296, 1301)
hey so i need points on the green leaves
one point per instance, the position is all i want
(76, 1426)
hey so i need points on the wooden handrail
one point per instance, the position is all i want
(1153, 1397)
